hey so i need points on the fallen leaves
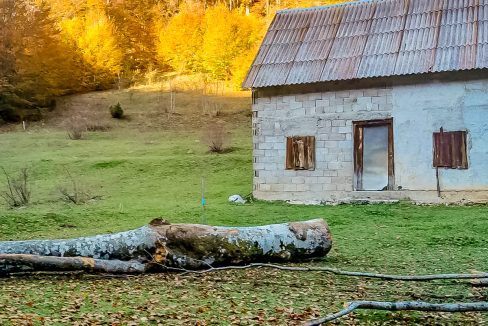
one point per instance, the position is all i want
(251, 297)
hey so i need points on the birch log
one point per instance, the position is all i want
(186, 246)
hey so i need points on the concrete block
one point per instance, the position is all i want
(264, 187)
(329, 187)
(272, 139)
(284, 180)
(289, 187)
(277, 187)
(316, 173)
(344, 187)
(271, 180)
(316, 187)
(347, 107)
(336, 136)
(320, 144)
(295, 105)
(280, 145)
(336, 101)
(322, 103)
(331, 158)
(338, 123)
(264, 100)
(309, 104)
(270, 166)
(324, 180)
(363, 101)
(334, 165)
(303, 187)
(320, 154)
(312, 180)
(330, 173)
(297, 180)
(342, 94)
(264, 145)
(310, 111)
(297, 112)
(370, 92)
(378, 100)
(384, 91)
(345, 144)
(331, 143)
(389, 99)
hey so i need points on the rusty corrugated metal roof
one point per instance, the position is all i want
(374, 38)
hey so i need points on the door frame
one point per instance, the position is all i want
(358, 146)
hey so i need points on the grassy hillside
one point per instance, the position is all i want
(151, 164)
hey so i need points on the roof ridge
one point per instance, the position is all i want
(343, 4)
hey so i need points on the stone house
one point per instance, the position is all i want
(373, 100)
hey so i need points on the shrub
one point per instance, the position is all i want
(216, 137)
(116, 111)
(18, 192)
(74, 192)
(75, 127)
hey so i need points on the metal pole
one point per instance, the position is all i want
(203, 203)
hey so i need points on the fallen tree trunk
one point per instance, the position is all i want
(161, 245)
(15, 263)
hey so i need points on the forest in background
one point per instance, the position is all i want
(50, 48)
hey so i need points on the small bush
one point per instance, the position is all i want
(73, 192)
(18, 192)
(75, 127)
(216, 137)
(116, 111)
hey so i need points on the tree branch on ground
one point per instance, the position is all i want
(385, 277)
(401, 305)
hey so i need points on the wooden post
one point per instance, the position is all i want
(437, 166)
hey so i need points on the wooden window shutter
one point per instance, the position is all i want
(450, 150)
(310, 152)
(290, 154)
(300, 153)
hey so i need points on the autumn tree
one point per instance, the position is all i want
(230, 37)
(134, 21)
(91, 33)
(180, 40)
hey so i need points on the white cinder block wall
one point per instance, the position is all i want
(417, 110)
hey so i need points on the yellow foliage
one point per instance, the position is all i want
(228, 35)
(180, 40)
(93, 36)
(98, 44)
(50, 47)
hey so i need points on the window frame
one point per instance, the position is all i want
(291, 153)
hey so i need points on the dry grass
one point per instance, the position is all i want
(149, 108)
(216, 137)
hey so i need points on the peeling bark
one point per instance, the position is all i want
(160, 245)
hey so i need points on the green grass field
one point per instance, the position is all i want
(151, 165)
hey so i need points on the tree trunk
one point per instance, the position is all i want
(161, 245)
